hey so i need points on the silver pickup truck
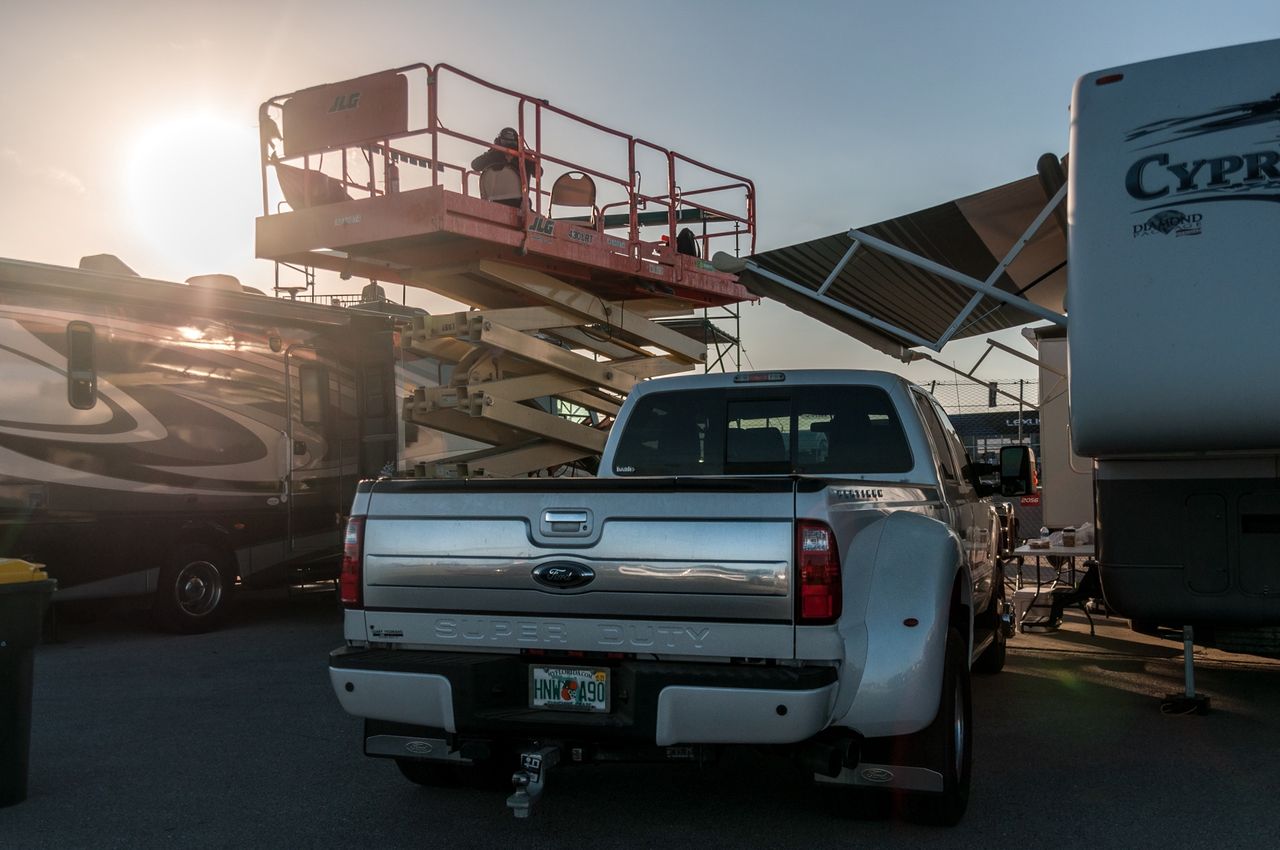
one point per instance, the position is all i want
(799, 558)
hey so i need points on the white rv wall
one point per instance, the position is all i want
(1066, 479)
(1174, 278)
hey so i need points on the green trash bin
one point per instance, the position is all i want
(24, 596)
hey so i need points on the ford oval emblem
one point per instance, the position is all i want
(877, 774)
(563, 575)
(419, 748)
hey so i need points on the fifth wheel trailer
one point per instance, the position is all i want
(1172, 204)
(166, 439)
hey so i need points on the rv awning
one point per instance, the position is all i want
(971, 235)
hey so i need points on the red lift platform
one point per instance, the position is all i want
(569, 242)
(377, 179)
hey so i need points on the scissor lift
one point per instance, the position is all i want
(565, 259)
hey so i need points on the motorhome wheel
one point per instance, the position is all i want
(194, 590)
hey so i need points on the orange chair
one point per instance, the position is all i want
(574, 189)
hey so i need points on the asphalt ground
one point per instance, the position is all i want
(234, 739)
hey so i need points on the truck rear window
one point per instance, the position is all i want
(836, 429)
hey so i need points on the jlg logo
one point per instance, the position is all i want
(343, 102)
(543, 225)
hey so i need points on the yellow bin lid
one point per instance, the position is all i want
(16, 570)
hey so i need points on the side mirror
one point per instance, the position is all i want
(1017, 471)
(985, 478)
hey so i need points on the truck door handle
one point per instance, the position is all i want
(556, 517)
(562, 521)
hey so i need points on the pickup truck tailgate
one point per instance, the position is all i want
(702, 566)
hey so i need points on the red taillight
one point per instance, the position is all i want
(349, 580)
(818, 565)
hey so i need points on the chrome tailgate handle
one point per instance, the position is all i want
(566, 522)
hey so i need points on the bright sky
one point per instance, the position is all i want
(844, 113)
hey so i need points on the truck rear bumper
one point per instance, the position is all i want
(655, 702)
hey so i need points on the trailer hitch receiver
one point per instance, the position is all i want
(530, 780)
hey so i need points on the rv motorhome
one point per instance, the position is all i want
(167, 439)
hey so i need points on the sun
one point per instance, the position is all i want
(194, 191)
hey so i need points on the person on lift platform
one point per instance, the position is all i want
(495, 185)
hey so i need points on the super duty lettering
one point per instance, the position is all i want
(477, 631)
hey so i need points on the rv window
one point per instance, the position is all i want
(313, 381)
(82, 380)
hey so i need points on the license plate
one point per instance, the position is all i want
(570, 688)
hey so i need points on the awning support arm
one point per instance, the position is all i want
(1026, 357)
(865, 318)
(835, 272)
(956, 277)
(980, 359)
(1031, 231)
(935, 361)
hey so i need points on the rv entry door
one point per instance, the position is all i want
(322, 445)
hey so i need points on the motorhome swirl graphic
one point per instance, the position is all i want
(167, 439)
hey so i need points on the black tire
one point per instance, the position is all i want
(992, 659)
(195, 589)
(947, 744)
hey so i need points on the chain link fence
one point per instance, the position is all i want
(987, 416)
(986, 419)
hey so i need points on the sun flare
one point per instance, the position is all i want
(194, 190)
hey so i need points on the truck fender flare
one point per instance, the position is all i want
(903, 575)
